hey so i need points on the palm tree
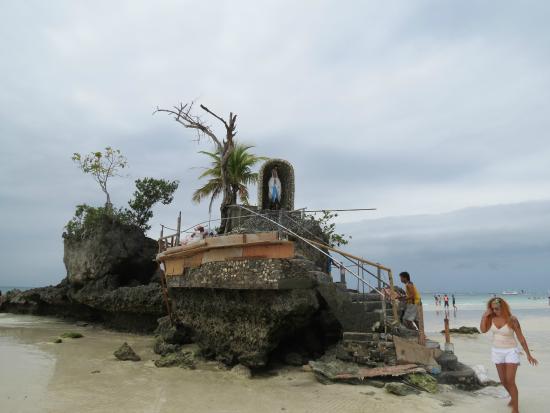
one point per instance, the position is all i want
(240, 175)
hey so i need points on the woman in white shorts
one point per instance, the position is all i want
(505, 352)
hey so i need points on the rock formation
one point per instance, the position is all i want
(111, 278)
(126, 353)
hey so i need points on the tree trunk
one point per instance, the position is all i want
(108, 204)
(227, 195)
(234, 193)
(182, 114)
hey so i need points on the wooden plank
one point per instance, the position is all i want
(279, 250)
(222, 254)
(261, 237)
(182, 248)
(194, 261)
(174, 267)
(190, 252)
(226, 240)
(395, 304)
(259, 257)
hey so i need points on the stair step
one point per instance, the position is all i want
(320, 276)
(364, 297)
(357, 336)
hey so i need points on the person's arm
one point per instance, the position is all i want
(485, 323)
(514, 323)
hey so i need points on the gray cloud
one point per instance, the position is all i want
(414, 107)
(487, 249)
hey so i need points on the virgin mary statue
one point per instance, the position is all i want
(275, 191)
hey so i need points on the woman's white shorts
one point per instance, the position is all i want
(505, 355)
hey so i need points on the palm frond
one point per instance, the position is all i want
(240, 174)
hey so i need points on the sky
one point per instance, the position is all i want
(428, 111)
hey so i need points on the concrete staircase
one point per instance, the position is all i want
(368, 349)
(355, 311)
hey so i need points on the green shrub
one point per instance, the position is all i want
(149, 191)
(87, 220)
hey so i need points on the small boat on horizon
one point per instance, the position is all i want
(510, 293)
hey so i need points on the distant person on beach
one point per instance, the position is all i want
(454, 301)
(505, 352)
(436, 300)
(412, 299)
(446, 301)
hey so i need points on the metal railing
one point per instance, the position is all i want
(385, 289)
(320, 246)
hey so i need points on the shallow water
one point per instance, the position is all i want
(25, 372)
(83, 376)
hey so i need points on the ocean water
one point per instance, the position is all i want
(478, 301)
(470, 308)
(5, 289)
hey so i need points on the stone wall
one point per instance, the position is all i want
(247, 326)
(249, 274)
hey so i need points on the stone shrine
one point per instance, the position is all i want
(276, 185)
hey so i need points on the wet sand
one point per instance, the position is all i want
(82, 375)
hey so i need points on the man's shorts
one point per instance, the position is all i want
(410, 312)
(505, 355)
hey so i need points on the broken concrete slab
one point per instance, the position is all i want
(411, 352)
(340, 371)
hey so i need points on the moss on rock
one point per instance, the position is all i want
(71, 334)
(422, 381)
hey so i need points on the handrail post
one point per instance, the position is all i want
(178, 229)
(393, 300)
(161, 242)
(358, 280)
(421, 332)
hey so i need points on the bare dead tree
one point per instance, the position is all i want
(184, 116)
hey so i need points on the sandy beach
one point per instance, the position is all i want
(83, 375)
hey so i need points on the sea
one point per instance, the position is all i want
(5, 289)
(470, 308)
(477, 301)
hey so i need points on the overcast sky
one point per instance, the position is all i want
(417, 108)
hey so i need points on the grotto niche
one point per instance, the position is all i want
(276, 185)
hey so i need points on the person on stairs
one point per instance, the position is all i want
(412, 299)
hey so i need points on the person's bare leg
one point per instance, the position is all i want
(511, 370)
(501, 369)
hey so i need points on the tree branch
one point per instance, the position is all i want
(182, 115)
(222, 120)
